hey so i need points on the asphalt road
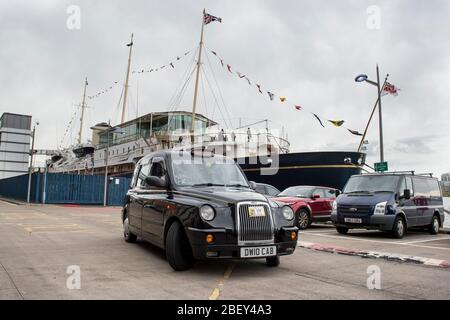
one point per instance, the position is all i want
(39, 243)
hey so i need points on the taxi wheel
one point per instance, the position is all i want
(127, 234)
(435, 225)
(273, 261)
(303, 219)
(178, 249)
(399, 229)
(342, 230)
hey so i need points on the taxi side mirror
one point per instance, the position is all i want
(337, 193)
(153, 181)
(252, 185)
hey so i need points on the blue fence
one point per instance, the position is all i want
(66, 188)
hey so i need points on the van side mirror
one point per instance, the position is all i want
(407, 194)
(252, 185)
(154, 181)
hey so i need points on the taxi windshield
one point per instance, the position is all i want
(208, 172)
(372, 184)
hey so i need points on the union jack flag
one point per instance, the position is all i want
(390, 89)
(207, 18)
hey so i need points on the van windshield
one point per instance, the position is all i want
(370, 184)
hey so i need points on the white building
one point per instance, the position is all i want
(15, 136)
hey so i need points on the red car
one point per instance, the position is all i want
(310, 203)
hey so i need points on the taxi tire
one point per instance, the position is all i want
(273, 261)
(129, 237)
(178, 250)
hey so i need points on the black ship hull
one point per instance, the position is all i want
(330, 169)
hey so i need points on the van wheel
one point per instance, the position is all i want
(435, 225)
(399, 229)
(178, 249)
(303, 219)
(273, 261)
(342, 230)
(127, 234)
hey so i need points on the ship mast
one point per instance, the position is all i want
(83, 107)
(125, 94)
(194, 104)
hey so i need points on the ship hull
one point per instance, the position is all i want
(330, 169)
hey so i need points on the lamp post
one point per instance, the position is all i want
(117, 130)
(365, 78)
(30, 169)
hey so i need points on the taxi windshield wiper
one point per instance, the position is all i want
(209, 184)
(237, 185)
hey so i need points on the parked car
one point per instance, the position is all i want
(310, 203)
(200, 207)
(391, 202)
(266, 189)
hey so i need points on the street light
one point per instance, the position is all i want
(365, 78)
(117, 130)
(30, 169)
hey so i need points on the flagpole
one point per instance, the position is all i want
(380, 117)
(125, 94)
(194, 103)
(371, 115)
(83, 106)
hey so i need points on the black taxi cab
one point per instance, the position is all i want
(201, 206)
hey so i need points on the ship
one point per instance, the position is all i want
(263, 153)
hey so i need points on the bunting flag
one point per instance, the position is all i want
(318, 119)
(259, 88)
(390, 89)
(102, 91)
(207, 18)
(171, 64)
(337, 123)
(356, 133)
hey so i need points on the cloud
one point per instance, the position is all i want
(308, 51)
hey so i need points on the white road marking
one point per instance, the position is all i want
(428, 240)
(380, 241)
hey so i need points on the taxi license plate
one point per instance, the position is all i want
(254, 212)
(254, 252)
(353, 220)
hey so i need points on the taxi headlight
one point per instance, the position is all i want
(207, 212)
(380, 208)
(288, 213)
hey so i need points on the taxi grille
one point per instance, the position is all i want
(254, 229)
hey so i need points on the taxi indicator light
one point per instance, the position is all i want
(209, 238)
(293, 235)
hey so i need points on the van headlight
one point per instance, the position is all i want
(380, 208)
(207, 212)
(288, 213)
(334, 207)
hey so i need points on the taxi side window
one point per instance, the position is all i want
(143, 173)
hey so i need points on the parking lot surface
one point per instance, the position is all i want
(41, 243)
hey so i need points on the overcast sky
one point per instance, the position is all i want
(308, 51)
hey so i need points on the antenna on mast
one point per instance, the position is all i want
(124, 106)
(83, 107)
